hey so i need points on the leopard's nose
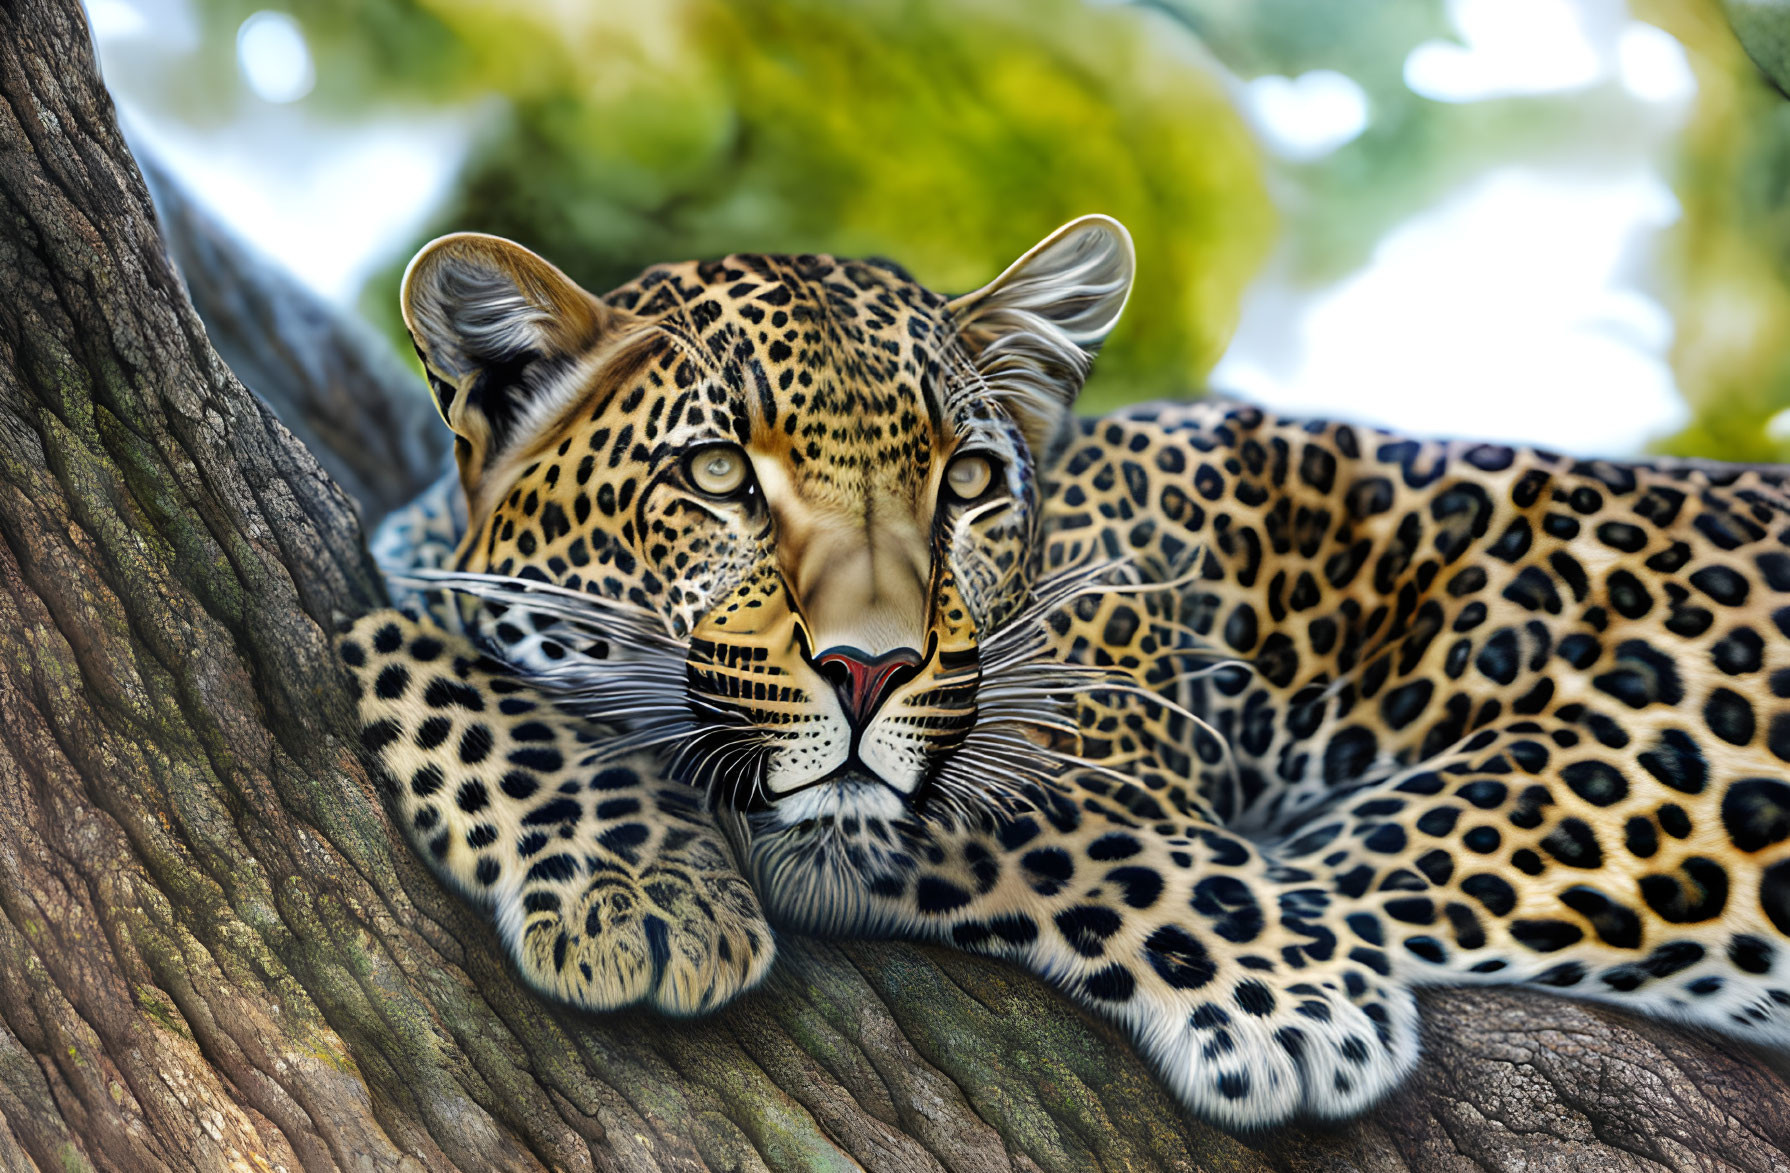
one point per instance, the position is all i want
(864, 681)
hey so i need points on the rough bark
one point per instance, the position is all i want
(216, 953)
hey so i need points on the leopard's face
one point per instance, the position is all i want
(789, 467)
(817, 477)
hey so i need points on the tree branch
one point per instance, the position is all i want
(217, 953)
(362, 413)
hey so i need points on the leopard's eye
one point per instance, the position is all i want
(968, 476)
(719, 470)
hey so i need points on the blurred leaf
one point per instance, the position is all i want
(1763, 27)
(1727, 261)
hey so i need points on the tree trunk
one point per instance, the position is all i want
(217, 953)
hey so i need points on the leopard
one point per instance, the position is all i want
(779, 594)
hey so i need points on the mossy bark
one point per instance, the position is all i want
(215, 952)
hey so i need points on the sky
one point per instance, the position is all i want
(1516, 307)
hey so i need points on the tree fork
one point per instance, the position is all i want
(216, 953)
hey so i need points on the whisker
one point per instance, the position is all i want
(1026, 689)
(627, 743)
(1021, 746)
(622, 620)
(1035, 721)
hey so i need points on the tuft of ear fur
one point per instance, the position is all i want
(1033, 331)
(502, 334)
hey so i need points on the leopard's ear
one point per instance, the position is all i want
(1034, 330)
(502, 334)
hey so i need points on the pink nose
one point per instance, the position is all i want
(864, 681)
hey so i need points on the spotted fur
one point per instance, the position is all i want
(1236, 728)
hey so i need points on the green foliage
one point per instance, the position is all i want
(948, 134)
(1339, 206)
(1763, 27)
(951, 135)
(1725, 272)
(1414, 151)
(1728, 259)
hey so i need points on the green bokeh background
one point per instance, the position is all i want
(951, 134)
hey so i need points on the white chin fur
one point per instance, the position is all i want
(864, 798)
(794, 766)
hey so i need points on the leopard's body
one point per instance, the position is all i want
(1236, 728)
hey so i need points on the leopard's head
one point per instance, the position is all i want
(790, 499)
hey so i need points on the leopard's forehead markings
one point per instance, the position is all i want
(837, 366)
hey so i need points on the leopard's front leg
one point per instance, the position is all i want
(1241, 980)
(610, 885)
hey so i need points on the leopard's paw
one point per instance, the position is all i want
(685, 940)
(1255, 1051)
